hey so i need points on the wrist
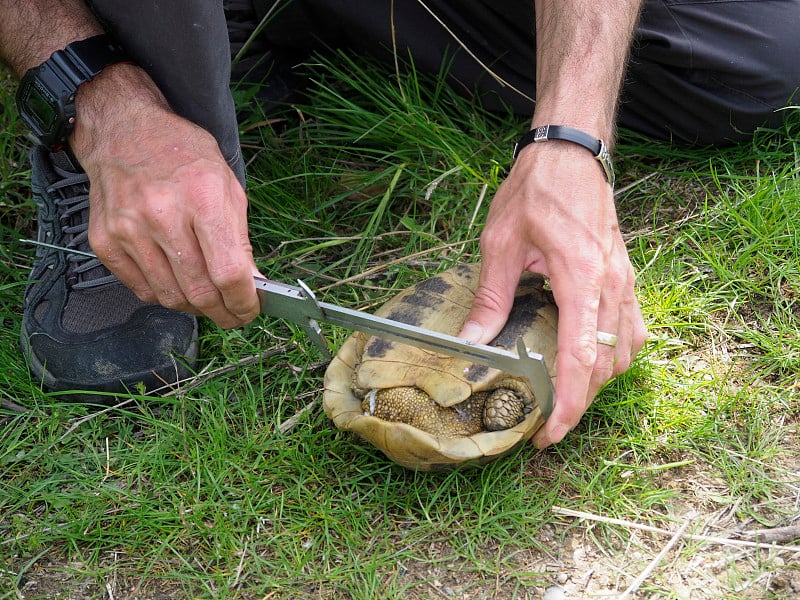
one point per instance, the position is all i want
(591, 120)
(46, 96)
(596, 116)
(110, 105)
(547, 133)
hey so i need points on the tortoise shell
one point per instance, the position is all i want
(441, 429)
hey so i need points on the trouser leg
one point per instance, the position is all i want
(183, 45)
(710, 72)
(700, 71)
(488, 47)
(707, 72)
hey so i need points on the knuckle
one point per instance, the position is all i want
(604, 368)
(229, 276)
(106, 247)
(494, 241)
(172, 299)
(620, 364)
(230, 322)
(488, 299)
(207, 184)
(122, 228)
(584, 353)
(600, 377)
(203, 297)
(618, 279)
(98, 239)
(248, 315)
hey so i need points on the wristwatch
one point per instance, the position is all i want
(46, 94)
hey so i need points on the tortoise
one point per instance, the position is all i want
(427, 411)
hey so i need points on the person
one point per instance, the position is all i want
(155, 134)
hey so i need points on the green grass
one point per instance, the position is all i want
(200, 493)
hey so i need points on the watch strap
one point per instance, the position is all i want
(596, 146)
(46, 94)
(83, 60)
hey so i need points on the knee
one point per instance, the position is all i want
(712, 72)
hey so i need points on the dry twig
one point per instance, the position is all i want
(12, 406)
(701, 538)
(775, 535)
(654, 563)
(291, 422)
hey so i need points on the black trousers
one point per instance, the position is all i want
(701, 71)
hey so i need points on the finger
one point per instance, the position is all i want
(127, 271)
(229, 259)
(611, 319)
(577, 352)
(631, 336)
(629, 313)
(108, 248)
(640, 332)
(494, 297)
(202, 295)
(144, 269)
(185, 263)
(611, 355)
(158, 272)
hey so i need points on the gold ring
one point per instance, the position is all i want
(607, 339)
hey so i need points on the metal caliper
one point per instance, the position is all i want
(299, 305)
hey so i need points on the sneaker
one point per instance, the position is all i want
(82, 329)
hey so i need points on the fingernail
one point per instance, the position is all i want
(560, 431)
(540, 441)
(472, 332)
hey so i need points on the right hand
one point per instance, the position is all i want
(167, 214)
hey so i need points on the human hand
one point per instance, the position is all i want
(167, 214)
(555, 215)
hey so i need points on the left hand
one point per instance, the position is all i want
(555, 215)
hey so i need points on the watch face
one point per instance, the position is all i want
(40, 108)
(46, 104)
(46, 94)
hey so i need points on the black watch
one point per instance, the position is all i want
(46, 95)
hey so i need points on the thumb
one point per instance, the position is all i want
(492, 304)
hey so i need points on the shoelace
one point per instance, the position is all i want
(75, 226)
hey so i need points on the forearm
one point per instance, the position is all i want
(31, 31)
(582, 50)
